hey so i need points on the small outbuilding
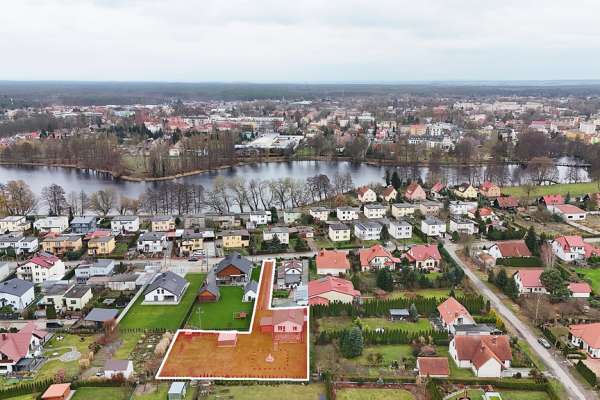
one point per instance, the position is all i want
(177, 391)
(57, 391)
(227, 339)
(399, 314)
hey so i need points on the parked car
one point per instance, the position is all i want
(544, 342)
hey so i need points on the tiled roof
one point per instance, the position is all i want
(451, 309)
(589, 333)
(513, 248)
(366, 255)
(530, 278)
(332, 259)
(480, 349)
(433, 366)
(421, 252)
(331, 284)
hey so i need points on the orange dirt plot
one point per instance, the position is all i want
(253, 355)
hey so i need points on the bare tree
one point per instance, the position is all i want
(240, 192)
(103, 201)
(54, 197)
(17, 198)
(547, 255)
(542, 169)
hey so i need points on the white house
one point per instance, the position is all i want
(260, 217)
(166, 288)
(572, 248)
(280, 232)
(433, 227)
(100, 267)
(77, 297)
(568, 212)
(401, 210)
(339, 233)
(452, 314)
(42, 267)
(125, 224)
(366, 195)
(368, 230)
(528, 281)
(24, 344)
(458, 207)
(250, 291)
(18, 243)
(151, 242)
(14, 223)
(586, 337)
(486, 355)
(399, 229)
(291, 216)
(56, 224)
(346, 213)
(374, 210)
(462, 225)
(16, 293)
(319, 213)
(114, 368)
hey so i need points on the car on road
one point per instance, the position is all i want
(544, 342)
(192, 259)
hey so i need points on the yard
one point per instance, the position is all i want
(128, 343)
(591, 275)
(438, 293)
(104, 393)
(170, 317)
(159, 391)
(68, 343)
(261, 392)
(550, 228)
(338, 323)
(221, 315)
(373, 394)
(591, 221)
(574, 189)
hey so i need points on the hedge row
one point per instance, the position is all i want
(587, 373)
(25, 389)
(393, 336)
(517, 262)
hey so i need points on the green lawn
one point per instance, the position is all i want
(50, 368)
(143, 316)
(563, 188)
(255, 273)
(128, 343)
(593, 275)
(455, 372)
(390, 352)
(338, 323)
(220, 315)
(439, 293)
(474, 394)
(523, 395)
(373, 394)
(262, 392)
(160, 393)
(24, 397)
(104, 393)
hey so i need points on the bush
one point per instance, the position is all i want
(517, 262)
(587, 373)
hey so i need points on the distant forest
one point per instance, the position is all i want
(21, 94)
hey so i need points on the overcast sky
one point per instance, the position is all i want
(299, 41)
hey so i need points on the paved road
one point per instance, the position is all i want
(574, 389)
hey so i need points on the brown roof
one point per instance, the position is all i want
(451, 309)
(332, 259)
(56, 390)
(513, 248)
(479, 349)
(433, 366)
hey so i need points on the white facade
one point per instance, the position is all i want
(289, 217)
(109, 374)
(368, 196)
(571, 254)
(319, 214)
(18, 302)
(433, 227)
(35, 273)
(492, 368)
(346, 213)
(339, 233)
(578, 342)
(569, 215)
(528, 289)
(461, 207)
(125, 224)
(462, 226)
(400, 210)
(368, 231)
(14, 223)
(374, 211)
(260, 217)
(399, 229)
(281, 233)
(151, 242)
(52, 224)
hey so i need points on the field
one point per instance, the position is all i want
(574, 189)
(168, 317)
(104, 393)
(591, 221)
(593, 275)
(550, 228)
(506, 395)
(262, 392)
(220, 315)
(373, 394)
(439, 293)
(338, 323)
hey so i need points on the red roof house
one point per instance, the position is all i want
(376, 257)
(424, 256)
(414, 192)
(25, 343)
(453, 313)
(329, 289)
(57, 391)
(552, 199)
(586, 337)
(488, 189)
(580, 289)
(389, 193)
(509, 248)
(486, 355)
(433, 367)
(507, 202)
(332, 262)
(528, 281)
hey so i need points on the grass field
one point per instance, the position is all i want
(524, 395)
(373, 394)
(338, 323)
(262, 392)
(104, 393)
(593, 275)
(439, 293)
(128, 343)
(50, 368)
(220, 315)
(158, 316)
(574, 189)
(160, 393)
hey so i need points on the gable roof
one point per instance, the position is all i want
(553, 199)
(567, 242)
(530, 278)
(332, 259)
(479, 349)
(568, 209)
(101, 315)
(331, 284)
(251, 286)
(451, 309)
(507, 202)
(235, 259)
(16, 345)
(513, 248)
(580, 287)
(487, 185)
(589, 333)
(363, 190)
(437, 187)
(169, 281)
(377, 250)
(388, 191)
(16, 287)
(294, 315)
(44, 260)
(412, 188)
(433, 366)
(210, 285)
(422, 252)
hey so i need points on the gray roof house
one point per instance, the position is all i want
(84, 224)
(167, 287)
(233, 269)
(17, 293)
(250, 291)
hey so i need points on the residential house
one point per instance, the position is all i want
(338, 233)
(346, 213)
(14, 223)
(453, 314)
(528, 281)
(462, 225)
(101, 267)
(424, 257)
(202, 240)
(18, 243)
(291, 216)
(305, 232)
(282, 233)
(234, 239)
(260, 217)
(432, 226)
(233, 269)
(399, 229)
(77, 297)
(332, 262)
(506, 203)
(162, 223)
(54, 295)
(101, 246)
(509, 248)
(389, 194)
(436, 191)
(166, 288)
(552, 200)
(209, 291)
(124, 224)
(580, 290)
(414, 192)
(319, 213)
(486, 355)
(377, 257)
(459, 207)
(401, 210)
(41, 268)
(485, 213)
(62, 244)
(586, 337)
(56, 224)
(16, 293)
(573, 248)
(366, 194)
(568, 212)
(374, 210)
(250, 291)
(331, 289)
(115, 368)
(466, 191)
(83, 224)
(430, 207)
(151, 242)
(289, 274)
(489, 190)
(285, 325)
(368, 230)
(18, 348)
(433, 367)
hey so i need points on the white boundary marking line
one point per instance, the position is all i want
(179, 331)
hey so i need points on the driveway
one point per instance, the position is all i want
(574, 389)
